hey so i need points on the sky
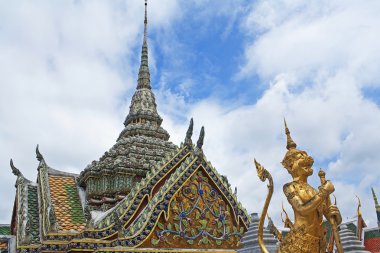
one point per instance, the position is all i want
(68, 70)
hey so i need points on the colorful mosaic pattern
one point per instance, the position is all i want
(162, 251)
(199, 216)
(372, 240)
(372, 245)
(217, 219)
(32, 224)
(3, 246)
(67, 206)
(5, 230)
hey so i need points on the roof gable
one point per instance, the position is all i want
(153, 209)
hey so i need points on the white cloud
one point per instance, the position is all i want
(314, 39)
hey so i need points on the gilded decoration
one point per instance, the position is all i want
(307, 233)
(199, 217)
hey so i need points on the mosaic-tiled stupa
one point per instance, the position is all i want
(143, 195)
(250, 239)
(141, 144)
(350, 241)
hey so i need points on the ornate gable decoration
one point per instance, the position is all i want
(182, 203)
(199, 216)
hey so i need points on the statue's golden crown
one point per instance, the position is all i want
(291, 146)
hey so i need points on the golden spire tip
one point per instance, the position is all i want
(290, 144)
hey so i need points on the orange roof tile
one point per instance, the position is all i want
(66, 203)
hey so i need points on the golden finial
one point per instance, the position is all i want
(290, 144)
(286, 214)
(359, 205)
(287, 222)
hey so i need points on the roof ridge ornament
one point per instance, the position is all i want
(359, 206)
(15, 171)
(189, 134)
(199, 151)
(39, 156)
(201, 138)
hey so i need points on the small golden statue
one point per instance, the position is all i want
(309, 205)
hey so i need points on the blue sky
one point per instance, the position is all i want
(68, 71)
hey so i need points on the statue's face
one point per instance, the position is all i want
(302, 164)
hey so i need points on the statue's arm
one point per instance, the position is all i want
(297, 203)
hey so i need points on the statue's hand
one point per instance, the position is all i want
(329, 187)
(334, 213)
(326, 189)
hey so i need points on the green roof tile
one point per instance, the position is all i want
(5, 229)
(33, 213)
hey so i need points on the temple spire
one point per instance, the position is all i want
(144, 75)
(290, 144)
(377, 206)
(143, 118)
(375, 198)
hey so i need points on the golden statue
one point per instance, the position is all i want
(309, 205)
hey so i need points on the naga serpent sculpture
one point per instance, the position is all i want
(264, 175)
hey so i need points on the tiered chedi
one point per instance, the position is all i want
(250, 239)
(141, 144)
(350, 242)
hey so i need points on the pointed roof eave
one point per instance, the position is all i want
(50, 170)
(15, 171)
(20, 177)
(189, 133)
(40, 158)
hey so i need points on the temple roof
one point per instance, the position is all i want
(66, 203)
(61, 203)
(151, 203)
(148, 187)
(26, 209)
